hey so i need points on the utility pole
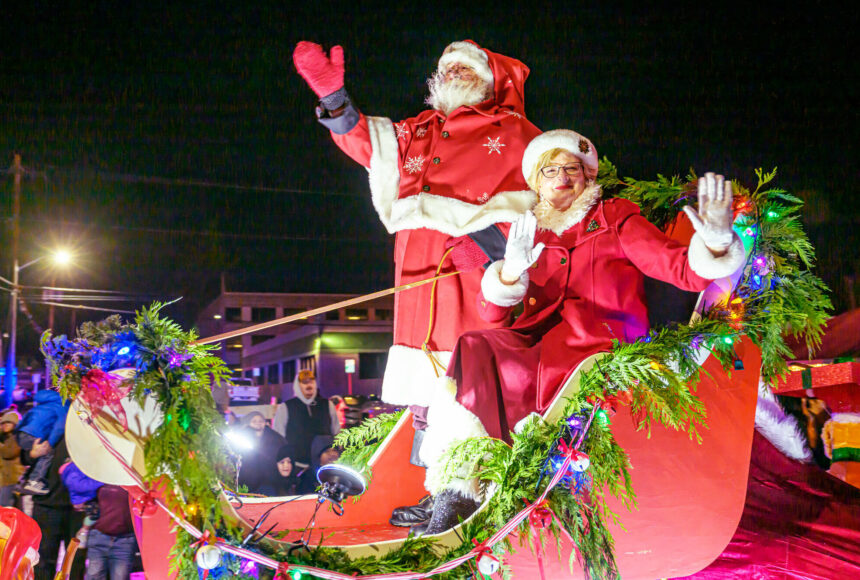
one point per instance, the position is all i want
(11, 364)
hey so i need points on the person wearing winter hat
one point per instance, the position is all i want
(43, 425)
(11, 467)
(282, 478)
(305, 416)
(439, 181)
(577, 263)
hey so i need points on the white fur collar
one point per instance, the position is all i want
(558, 222)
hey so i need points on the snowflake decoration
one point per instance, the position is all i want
(513, 114)
(484, 198)
(402, 131)
(414, 164)
(420, 132)
(494, 145)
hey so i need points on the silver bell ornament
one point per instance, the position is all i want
(580, 462)
(208, 557)
(488, 564)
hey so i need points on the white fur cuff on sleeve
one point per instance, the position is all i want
(500, 293)
(706, 265)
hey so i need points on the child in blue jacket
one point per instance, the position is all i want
(44, 422)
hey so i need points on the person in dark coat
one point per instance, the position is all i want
(283, 474)
(305, 416)
(257, 460)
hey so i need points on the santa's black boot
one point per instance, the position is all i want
(449, 509)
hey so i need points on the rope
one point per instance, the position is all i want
(320, 310)
(425, 346)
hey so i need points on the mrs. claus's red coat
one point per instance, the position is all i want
(585, 290)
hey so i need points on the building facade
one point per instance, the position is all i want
(346, 347)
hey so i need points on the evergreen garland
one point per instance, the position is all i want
(777, 295)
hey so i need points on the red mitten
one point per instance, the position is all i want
(466, 255)
(324, 74)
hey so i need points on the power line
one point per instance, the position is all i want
(82, 307)
(204, 233)
(180, 181)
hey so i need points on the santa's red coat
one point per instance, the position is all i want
(585, 290)
(435, 177)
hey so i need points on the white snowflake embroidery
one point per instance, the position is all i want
(484, 198)
(402, 131)
(494, 145)
(420, 131)
(513, 114)
(414, 164)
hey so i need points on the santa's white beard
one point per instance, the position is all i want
(445, 96)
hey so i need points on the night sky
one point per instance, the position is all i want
(170, 144)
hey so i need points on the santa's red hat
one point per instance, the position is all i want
(469, 54)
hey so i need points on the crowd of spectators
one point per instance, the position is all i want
(38, 477)
(282, 459)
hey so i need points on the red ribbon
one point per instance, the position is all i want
(100, 389)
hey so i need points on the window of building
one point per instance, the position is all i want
(258, 338)
(272, 378)
(233, 314)
(332, 315)
(262, 314)
(371, 365)
(356, 314)
(288, 371)
(308, 363)
(234, 343)
(384, 314)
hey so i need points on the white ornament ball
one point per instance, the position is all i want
(208, 557)
(488, 565)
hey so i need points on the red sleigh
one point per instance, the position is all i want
(691, 497)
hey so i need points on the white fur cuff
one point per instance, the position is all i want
(706, 265)
(500, 293)
(410, 378)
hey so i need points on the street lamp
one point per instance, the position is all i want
(59, 257)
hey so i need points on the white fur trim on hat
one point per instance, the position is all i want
(467, 54)
(565, 139)
(498, 292)
(706, 265)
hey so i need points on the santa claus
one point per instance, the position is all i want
(440, 179)
(577, 264)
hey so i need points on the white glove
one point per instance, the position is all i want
(713, 221)
(520, 251)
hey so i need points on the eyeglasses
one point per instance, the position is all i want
(551, 171)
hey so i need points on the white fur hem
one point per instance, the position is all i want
(448, 423)
(424, 210)
(500, 293)
(780, 428)
(409, 376)
(703, 262)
